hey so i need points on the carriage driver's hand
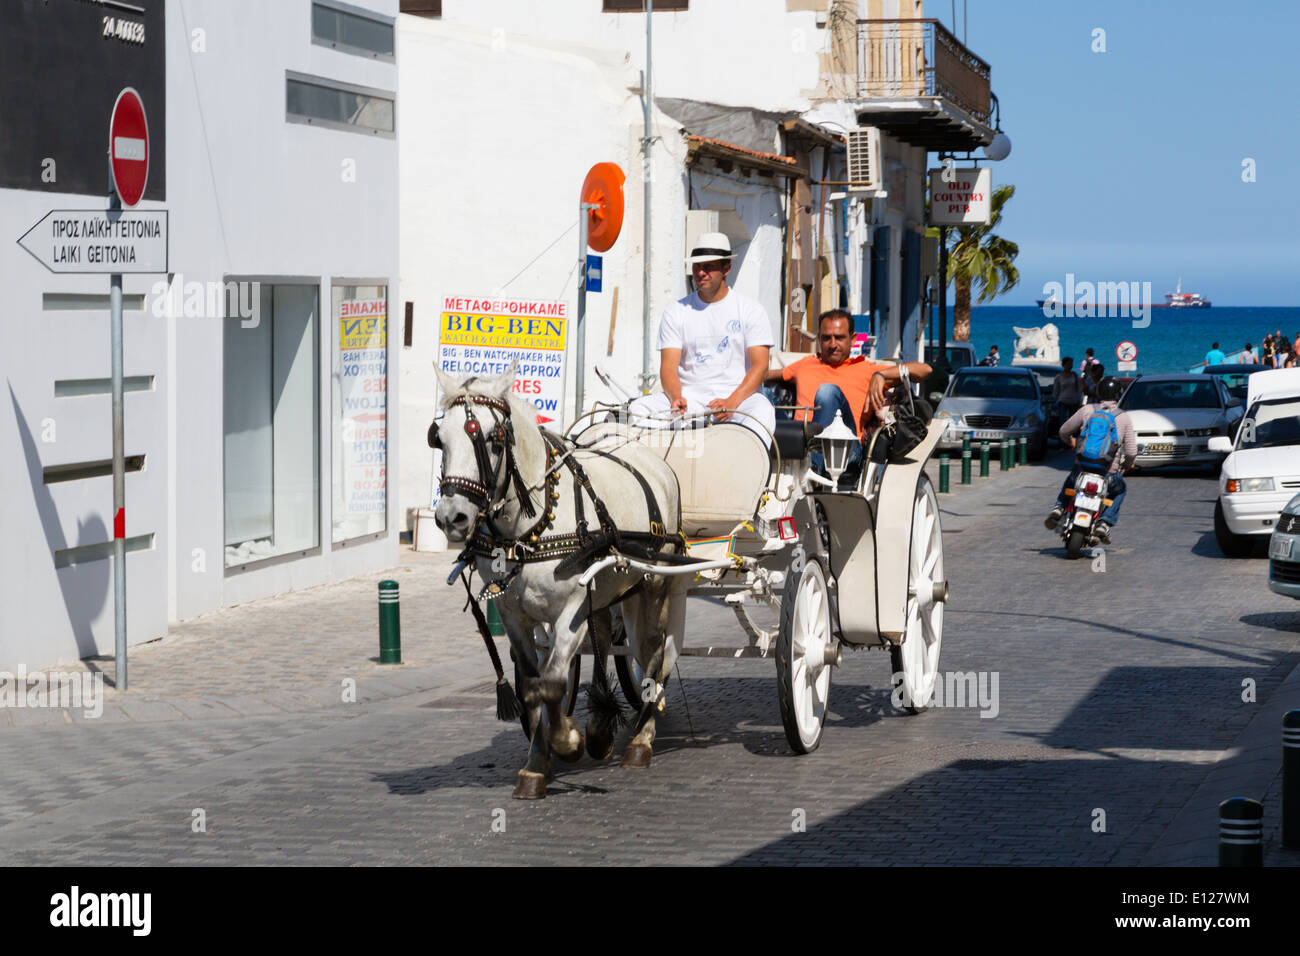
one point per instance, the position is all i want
(678, 405)
(720, 403)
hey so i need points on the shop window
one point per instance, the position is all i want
(360, 410)
(272, 433)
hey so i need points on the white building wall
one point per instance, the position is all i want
(729, 52)
(490, 179)
(249, 195)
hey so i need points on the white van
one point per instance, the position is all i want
(1262, 470)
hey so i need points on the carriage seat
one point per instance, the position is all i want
(791, 438)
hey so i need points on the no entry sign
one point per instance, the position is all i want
(128, 147)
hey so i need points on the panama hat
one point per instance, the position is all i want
(710, 247)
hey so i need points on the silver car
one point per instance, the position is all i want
(993, 404)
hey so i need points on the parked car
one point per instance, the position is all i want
(1262, 471)
(993, 404)
(1234, 376)
(1284, 551)
(956, 355)
(1175, 416)
(1046, 375)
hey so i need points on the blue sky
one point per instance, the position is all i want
(1128, 163)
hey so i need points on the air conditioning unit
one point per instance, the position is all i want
(864, 160)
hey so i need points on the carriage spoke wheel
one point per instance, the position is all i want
(627, 667)
(917, 659)
(570, 690)
(804, 647)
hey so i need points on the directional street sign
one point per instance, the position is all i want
(594, 272)
(99, 241)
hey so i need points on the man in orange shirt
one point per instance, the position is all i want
(833, 382)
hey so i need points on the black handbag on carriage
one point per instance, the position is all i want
(893, 442)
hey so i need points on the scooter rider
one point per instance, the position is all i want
(1108, 392)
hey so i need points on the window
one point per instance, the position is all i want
(271, 426)
(422, 8)
(351, 29)
(360, 410)
(329, 103)
(638, 6)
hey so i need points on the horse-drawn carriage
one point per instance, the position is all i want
(861, 567)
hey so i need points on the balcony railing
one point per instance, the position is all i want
(900, 58)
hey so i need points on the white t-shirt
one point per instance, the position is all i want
(713, 337)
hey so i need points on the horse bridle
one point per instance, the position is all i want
(479, 492)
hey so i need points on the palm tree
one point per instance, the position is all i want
(979, 258)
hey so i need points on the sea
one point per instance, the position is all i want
(1174, 341)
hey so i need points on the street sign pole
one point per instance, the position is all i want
(580, 330)
(119, 479)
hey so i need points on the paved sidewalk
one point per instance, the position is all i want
(292, 653)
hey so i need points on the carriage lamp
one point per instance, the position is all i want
(835, 441)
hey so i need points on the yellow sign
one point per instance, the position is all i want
(363, 324)
(503, 331)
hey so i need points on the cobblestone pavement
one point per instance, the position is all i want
(1120, 700)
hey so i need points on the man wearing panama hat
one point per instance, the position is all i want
(713, 349)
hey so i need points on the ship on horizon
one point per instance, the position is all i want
(1177, 299)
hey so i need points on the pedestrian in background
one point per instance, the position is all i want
(1067, 391)
(1248, 356)
(1215, 355)
(1090, 381)
(1088, 362)
(992, 358)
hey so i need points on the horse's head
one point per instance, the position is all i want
(473, 433)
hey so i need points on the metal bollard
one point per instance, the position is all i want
(390, 624)
(965, 459)
(495, 627)
(943, 473)
(984, 459)
(1023, 443)
(1241, 832)
(1291, 780)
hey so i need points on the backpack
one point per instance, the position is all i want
(1099, 440)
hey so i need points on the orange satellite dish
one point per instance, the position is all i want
(604, 187)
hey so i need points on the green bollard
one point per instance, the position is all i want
(390, 624)
(984, 459)
(965, 459)
(1291, 780)
(943, 473)
(1002, 456)
(1023, 444)
(495, 627)
(1241, 832)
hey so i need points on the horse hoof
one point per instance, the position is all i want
(600, 747)
(636, 756)
(531, 786)
(573, 755)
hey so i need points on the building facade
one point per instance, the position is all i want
(258, 400)
(800, 128)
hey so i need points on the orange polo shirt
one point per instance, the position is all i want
(852, 377)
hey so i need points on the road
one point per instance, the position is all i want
(1119, 724)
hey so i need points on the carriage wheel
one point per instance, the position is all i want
(803, 645)
(917, 658)
(627, 667)
(570, 691)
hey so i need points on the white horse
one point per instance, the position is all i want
(535, 513)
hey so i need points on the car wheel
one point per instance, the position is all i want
(1232, 545)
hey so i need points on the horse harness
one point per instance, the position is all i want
(573, 549)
